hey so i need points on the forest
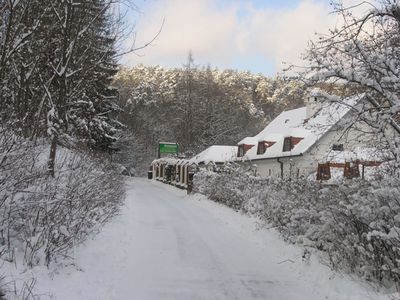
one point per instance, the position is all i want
(196, 107)
(200, 106)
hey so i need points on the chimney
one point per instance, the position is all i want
(314, 102)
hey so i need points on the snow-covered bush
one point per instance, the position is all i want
(232, 187)
(42, 217)
(357, 223)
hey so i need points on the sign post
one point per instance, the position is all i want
(169, 148)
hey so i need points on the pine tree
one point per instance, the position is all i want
(57, 61)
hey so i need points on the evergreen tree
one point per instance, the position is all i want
(57, 61)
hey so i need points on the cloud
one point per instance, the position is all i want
(221, 35)
(283, 34)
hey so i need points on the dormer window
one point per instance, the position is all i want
(290, 142)
(242, 149)
(263, 146)
(287, 144)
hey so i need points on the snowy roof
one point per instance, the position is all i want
(166, 160)
(167, 143)
(216, 154)
(249, 141)
(293, 123)
(284, 124)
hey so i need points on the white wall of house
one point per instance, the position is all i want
(293, 167)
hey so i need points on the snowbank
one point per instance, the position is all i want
(43, 217)
(356, 224)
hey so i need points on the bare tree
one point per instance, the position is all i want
(364, 52)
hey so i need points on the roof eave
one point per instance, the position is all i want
(274, 157)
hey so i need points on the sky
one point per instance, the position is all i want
(261, 36)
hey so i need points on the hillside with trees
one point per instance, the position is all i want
(196, 107)
(57, 126)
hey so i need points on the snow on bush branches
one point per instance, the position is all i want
(357, 223)
(42, 217)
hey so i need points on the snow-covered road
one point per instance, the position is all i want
(165, 245)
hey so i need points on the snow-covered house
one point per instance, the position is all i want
(177, 171)
(313, 140)
(209, 158)
(214, 156)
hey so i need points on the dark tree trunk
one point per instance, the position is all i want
(52, 157)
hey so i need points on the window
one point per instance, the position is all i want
(290, 142)
(261, 148)
(287, 144)
(240, 151)
(351, 170)
(337, 147)
(324, 172)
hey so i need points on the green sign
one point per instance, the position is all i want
(168, 148)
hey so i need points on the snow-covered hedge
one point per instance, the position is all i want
(232, 187)
(357, 223)
(42, 217)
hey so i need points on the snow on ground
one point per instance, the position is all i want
(166, 245)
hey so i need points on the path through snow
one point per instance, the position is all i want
(166, 245)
